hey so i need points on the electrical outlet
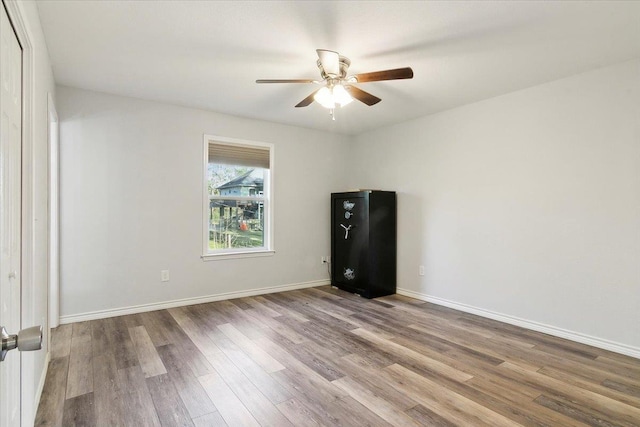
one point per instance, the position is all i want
(323, 260)
(421, 270)
(329, 260)
(164, 275)
(326, 259)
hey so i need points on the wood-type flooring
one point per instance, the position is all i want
(321, 356)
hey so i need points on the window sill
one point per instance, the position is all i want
(235, 255)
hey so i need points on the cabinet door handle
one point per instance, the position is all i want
(346, 230)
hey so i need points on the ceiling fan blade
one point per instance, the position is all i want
(376, 76)
(330, 61)
(363, 96)
(308, 100)
(286, 81)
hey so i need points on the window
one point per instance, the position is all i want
(237, 198)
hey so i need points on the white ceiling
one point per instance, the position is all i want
(208, 54)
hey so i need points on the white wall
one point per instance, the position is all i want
(131, 202)
(525, 205)
(35, 204)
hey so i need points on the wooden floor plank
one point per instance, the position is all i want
(147, 354)
(81, 329)
(467, 343)
(333, 340)
(263, 308)
(433, 364)
(623, 413)
(426, 417)
(324, 357)
(321, 317)
(195, 332)
(347, 412)
(277, 326)
(155, 325)
(298, 377)
(208, 314)
(588, 416)
(451, 405)
(628, 389)
(464, 359)
(101, 331)
(242, 303)
(78, 411)
(61, 341)
(519, 405)
(260, 407)
(247, 325)
(80, 378)
(315, 357)
(166, 401)
(365, 373)
(268, 386)
(376, 404)
(213, 419)
(610, 359)
(588, 384)
(189, 389)
(108, 397)
(275, 302)
(397, 299)
(229, 406)
(53, 394)
(138, 404)
(325, 305)
(122, 345)
(268, 363)
(298, 414)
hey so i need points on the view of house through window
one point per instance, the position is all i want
(237, 177)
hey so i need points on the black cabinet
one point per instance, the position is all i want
(363, 242)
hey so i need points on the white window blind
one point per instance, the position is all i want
(238, 155)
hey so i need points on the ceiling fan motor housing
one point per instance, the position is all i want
(344, 66)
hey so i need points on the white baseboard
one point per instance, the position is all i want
(528, 324)
(103, 314)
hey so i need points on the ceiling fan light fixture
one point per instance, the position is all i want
(328, 97)
(324, 97)
(341, 96)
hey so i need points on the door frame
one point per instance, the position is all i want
(18, 17)
(53, 135)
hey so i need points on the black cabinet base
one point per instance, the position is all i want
(370, 293)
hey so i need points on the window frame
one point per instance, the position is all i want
(268, 248)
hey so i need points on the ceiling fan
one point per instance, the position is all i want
(338, 88)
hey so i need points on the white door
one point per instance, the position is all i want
(10, 213)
